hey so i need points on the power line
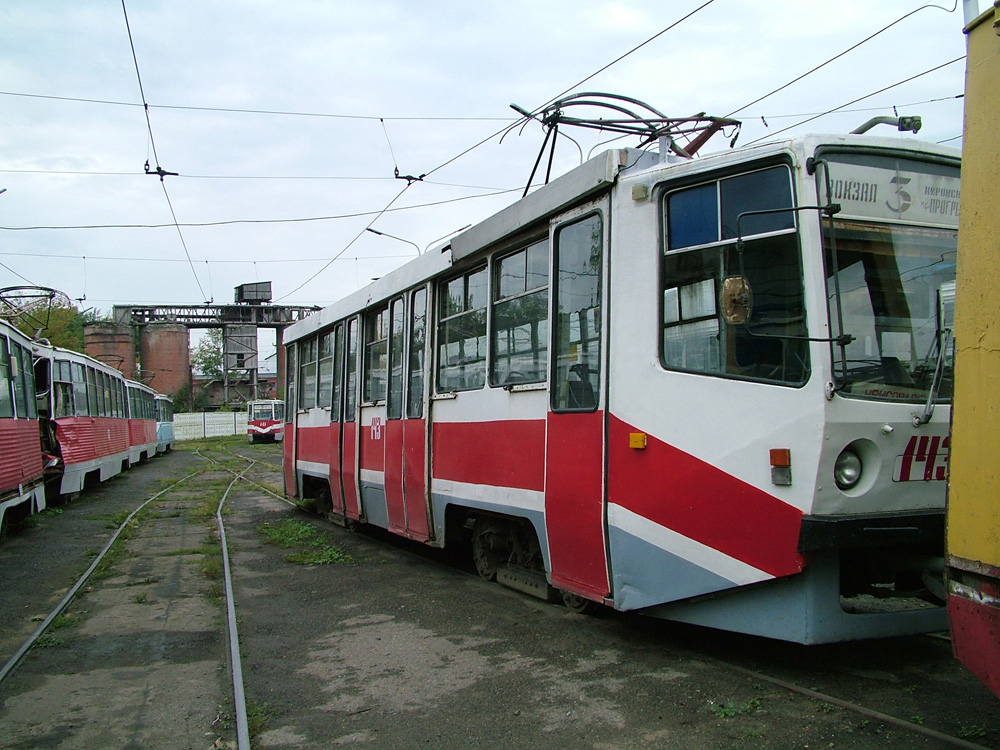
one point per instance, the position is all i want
(839, 55)
(860, 98)
(156, 158)
(297, 220)
(244, 111)
(145, 259)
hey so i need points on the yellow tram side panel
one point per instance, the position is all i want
(973, 539)
(974, 490)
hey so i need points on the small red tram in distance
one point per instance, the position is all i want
(22, 487)
(714, 390)
(265, 420)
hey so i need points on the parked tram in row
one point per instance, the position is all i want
(714, 390)
(265, 420)
(22, 486)
(164, 406)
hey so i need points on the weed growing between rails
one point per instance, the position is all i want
(312, 546)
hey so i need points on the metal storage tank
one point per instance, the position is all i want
(112, 344)
(164, 355)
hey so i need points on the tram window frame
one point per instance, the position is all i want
(291, 373)
(351, 370)
(324, 370)
(375, 371)
(336, 401)
(62, 389)
(699, 253)
(417, 354)
(573, 356)
(92, 407)
(6, 381)
(81, 401)
(307, 373)
(396, 349)
(512, 298)
(460, 312)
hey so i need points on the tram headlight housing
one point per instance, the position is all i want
(847, 469)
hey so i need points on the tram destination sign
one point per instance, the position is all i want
(867, 191)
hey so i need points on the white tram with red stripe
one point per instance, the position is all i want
(265, 420)
(95, 423)
(700, 388)
(22, 486)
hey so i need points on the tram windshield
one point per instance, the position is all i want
(264, 411)
(895, 280)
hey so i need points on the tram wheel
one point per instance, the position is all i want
(486, 557)
(579, 604)
(324, 503)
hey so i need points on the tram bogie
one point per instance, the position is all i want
(713, 390)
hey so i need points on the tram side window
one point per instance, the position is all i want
(576, 377)
(376, 355)
(418, 341)
(6, 383)
(290, 372)
(462, 332)
(62, 388)
(520, 329)
(80, 401)
(351, 377)
(325, 396)
(700, 256)
(394, 404)
(307, 374)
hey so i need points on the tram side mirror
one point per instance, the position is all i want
(737, 300)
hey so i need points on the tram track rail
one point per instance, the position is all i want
(813, 694)
(29, 643)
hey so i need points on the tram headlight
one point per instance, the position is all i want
(847, 470)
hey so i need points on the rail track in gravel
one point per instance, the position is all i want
(259, 472)
(756, 674)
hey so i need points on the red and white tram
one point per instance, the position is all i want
(700, 388)
(84, 405)
(265, 420)
(142, 442)
(22, 486)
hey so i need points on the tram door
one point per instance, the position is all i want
(348, 438)
(336, 343)
(406, 428)
(574, 473)
(288, 441)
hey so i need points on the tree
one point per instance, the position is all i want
(63, 325)
(206, 357)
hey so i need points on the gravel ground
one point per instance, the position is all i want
(360, 639)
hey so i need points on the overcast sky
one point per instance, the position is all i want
(441, 75)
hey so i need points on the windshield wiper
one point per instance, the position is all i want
(932, 392)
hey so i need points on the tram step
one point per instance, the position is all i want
(527, 582)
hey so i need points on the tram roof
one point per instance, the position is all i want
(587, 180)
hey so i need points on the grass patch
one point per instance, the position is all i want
(730, 709)
(205, 550)
(65, 620)
(48, 641)
(258, 717)
(37, 519)
(141, 598)
(314, 545)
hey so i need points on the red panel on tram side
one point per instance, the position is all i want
(574, 503)
(393, 441)
(975, 627)
(333, 444)
(349, 474)
(314, 445)
(21, 450)
(700, 501)
(415, 478)
(288, 462)
(372, 445)
(500, 454)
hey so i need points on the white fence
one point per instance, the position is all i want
(209, 424)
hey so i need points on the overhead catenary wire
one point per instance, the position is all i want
(860, 98)
(152, 141)
(839, 55)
